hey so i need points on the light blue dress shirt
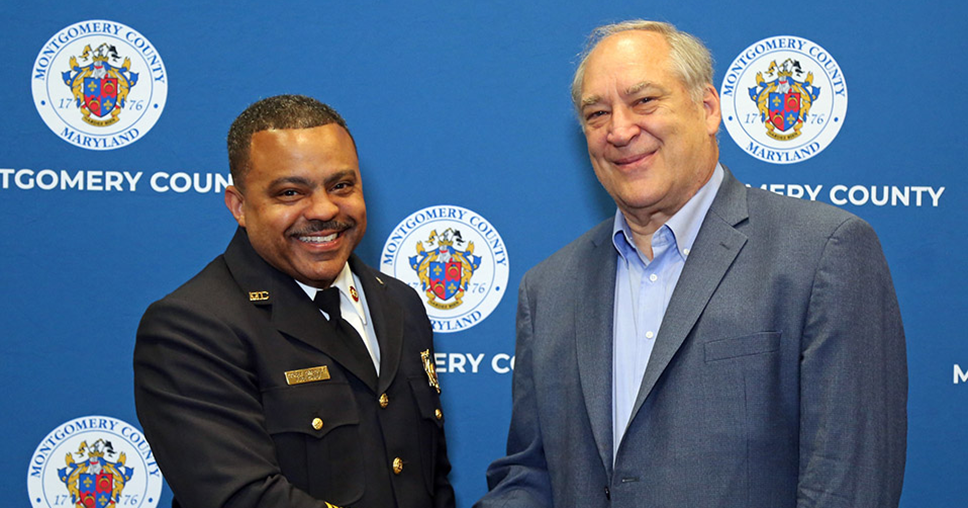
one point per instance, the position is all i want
(643, 289)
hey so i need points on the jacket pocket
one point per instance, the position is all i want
(428, 402)
(316, 431)
(748, 345)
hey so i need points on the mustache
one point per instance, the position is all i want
(318, 226)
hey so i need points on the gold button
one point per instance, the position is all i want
(439, 414)
(397, 465)
(317, 423)
(384, 401)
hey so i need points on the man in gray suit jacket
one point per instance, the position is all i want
(712, 345)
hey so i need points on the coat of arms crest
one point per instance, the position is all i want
(445, 271)
(100, 89)
(784, 102)
(95, 482)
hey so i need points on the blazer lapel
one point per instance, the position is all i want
(387, 319)
(289, 308)
(715, 249)
(595, 294)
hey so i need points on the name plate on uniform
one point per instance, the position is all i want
(297, 377)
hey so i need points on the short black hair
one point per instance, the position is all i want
(278, 112)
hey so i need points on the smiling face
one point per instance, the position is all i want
(302, 207)
(651, 145)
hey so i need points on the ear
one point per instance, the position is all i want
(235, 202)
(711, 109)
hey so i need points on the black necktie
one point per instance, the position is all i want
(328, 301)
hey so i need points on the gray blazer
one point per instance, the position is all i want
(778, 378)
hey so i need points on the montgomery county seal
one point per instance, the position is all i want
(455, 259)
(784, 99)
(99, 84)
(94, 462)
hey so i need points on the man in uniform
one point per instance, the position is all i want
(288, 373)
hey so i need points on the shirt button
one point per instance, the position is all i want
(397, 465)
(685, 251)
(439, 414)
(649, 335)
(653, 277)
(317, 423)
(384, 401)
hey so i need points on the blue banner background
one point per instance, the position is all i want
(476, 91)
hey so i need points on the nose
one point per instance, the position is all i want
(622, 128)
(321, 207)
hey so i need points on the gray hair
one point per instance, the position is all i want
(278, 112)
(690, 60)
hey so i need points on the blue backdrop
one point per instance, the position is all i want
(451, 102)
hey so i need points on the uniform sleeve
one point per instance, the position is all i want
(853, 380)
(199, 404)
(521, 478)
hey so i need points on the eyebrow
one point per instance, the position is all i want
(300, 180)
(634, 89)
(341, 174)
(641, 85)
(591, 99)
